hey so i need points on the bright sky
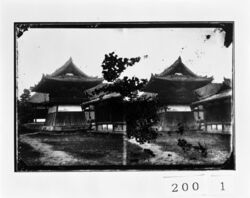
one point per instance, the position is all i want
(42, 51)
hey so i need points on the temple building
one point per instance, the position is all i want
(175, 89)
(40, 103)
(64, 91)
(104, 111)
(214, 107)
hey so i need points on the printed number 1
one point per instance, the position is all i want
(222, 186)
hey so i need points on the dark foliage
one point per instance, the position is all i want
(180, 128)
(189, 147)
(201, 149)
(113, 66)
(24, 108)
(140, 112)
(184, 144)
(127, 87)
(149, 152)
(141, 117)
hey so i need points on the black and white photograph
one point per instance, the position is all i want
(123, 99)
(124, 96)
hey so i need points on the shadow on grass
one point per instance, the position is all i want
(105, 152)
(27, 156)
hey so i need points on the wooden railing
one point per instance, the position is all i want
(216, 126)
(113, 127)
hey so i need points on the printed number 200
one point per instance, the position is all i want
(184, 187)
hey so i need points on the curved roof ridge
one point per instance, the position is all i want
(69, 67)
(178, 66)
(60, 76)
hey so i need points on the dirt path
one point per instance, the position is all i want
(172, 158)
(49, 157)
(161, 157)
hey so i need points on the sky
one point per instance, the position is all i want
(42, 51)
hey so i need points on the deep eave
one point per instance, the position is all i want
(215, 97)
(105, 97)
(208, 90)
(159, 84)
(67, 75)
(176, 78)
(49, 83)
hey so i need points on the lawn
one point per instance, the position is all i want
(78, 149)
(218, 146)
(84, 149)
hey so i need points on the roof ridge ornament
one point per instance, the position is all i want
(69, 67)
(177, 66)
(68, 73)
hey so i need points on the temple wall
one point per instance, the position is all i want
(109, 117)
(168, 121)
(218, 117)
(220, 112)
(109, 113)
(65, 119)
(61, 119)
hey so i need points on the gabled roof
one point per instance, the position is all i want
(68, 74)
(176, 84)
(104, 97)
(218, 96)
(177, 67)
(213, 88)
(176, 76)
(68, 67)
(208, 90)
(95, 95)
(214, 91)
(91, 92)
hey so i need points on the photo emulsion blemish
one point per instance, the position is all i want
(124, 96)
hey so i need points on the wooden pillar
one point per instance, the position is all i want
(54, 121)
(124, 136)
(124, 156)
(35, 114)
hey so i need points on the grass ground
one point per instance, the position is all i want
(218, 146)
(55, 149)
(27, 155)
